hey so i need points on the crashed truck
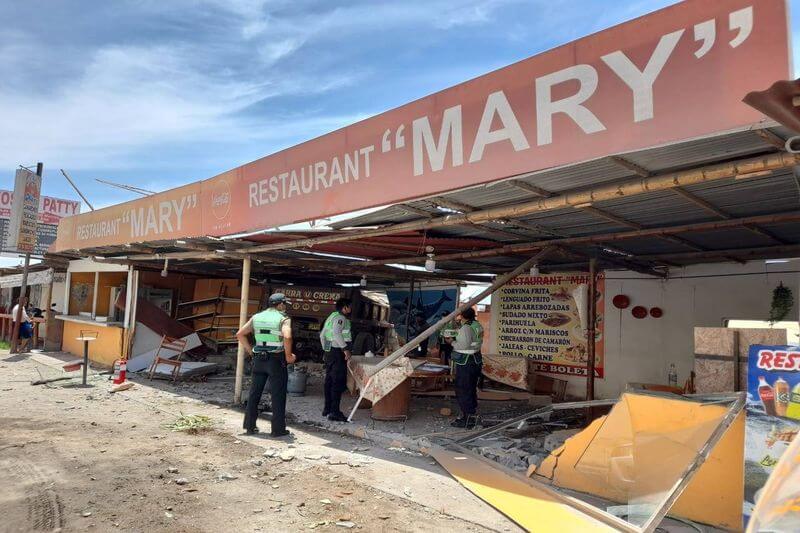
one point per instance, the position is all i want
(310, 306)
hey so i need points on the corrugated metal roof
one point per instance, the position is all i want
(777, 193)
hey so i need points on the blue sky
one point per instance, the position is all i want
(160, 93)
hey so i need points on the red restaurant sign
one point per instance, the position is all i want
(676, 74)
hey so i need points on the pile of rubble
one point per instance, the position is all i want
(530, 443)
(519, 453)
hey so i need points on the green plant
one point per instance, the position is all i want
(191, 423)
(782, 302)
(4, 345)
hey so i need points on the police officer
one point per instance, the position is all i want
(446, 336)
(468, 361)
(272, 352)
(336, 339)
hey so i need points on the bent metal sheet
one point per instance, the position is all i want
(677, 74)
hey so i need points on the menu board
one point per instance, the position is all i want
(773, 413)
(544, 318)
(51, 211)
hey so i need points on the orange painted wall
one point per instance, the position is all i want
(105, 350)
(105, 283)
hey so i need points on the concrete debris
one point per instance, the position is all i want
(172, 470)
(256, 462)
(226, 476)
(346, 524)
(286, 455)
(181, 481)
(325, 501)
(271, 452)
(555, 439)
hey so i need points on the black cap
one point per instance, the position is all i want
(278, 298)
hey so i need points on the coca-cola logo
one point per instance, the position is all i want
(778, 360)
(221, 199)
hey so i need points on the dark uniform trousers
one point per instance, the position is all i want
(273, 367)
(466, 384)
(335, 379)
(446, 350)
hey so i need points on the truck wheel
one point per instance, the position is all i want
(364, 343)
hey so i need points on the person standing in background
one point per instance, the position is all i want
(468, 362)
(336, 338)
(272, 330)
(25, 325)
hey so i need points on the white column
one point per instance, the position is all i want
(94, 294)
(126, 322)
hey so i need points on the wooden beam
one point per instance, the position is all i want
(243, 308)
(415, 210)
(742, 254)
(511, 249)
(771, 138)
(527, 187)
(633, 225)
(626, 263)
(466, 208)
(714, 210)
(630, 165)
(703, 204)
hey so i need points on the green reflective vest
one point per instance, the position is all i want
(267, 328)
(327, 330)
(474, 350)
(449, 330)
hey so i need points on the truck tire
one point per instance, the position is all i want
(364, 342)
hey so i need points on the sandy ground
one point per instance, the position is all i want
(74, 458)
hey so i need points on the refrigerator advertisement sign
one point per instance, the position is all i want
(773, 414)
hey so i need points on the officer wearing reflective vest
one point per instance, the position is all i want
(447, 334)
(336, 338)
(468, 362)
(271, 353)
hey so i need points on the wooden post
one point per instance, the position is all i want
(237, 389)
(413, 343)
(409, 304)
(94, 294)
(591, 313)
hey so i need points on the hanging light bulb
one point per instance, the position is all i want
(164, 270)
(363, 281)
(535, 270)
(430, 262)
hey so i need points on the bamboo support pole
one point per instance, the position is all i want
(738, 169)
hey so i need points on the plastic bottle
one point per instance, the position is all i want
(767, 395)
(673, 376)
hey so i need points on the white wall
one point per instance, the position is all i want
(88, 265)
(704, 295)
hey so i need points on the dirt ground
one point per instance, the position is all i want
(74, 459)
